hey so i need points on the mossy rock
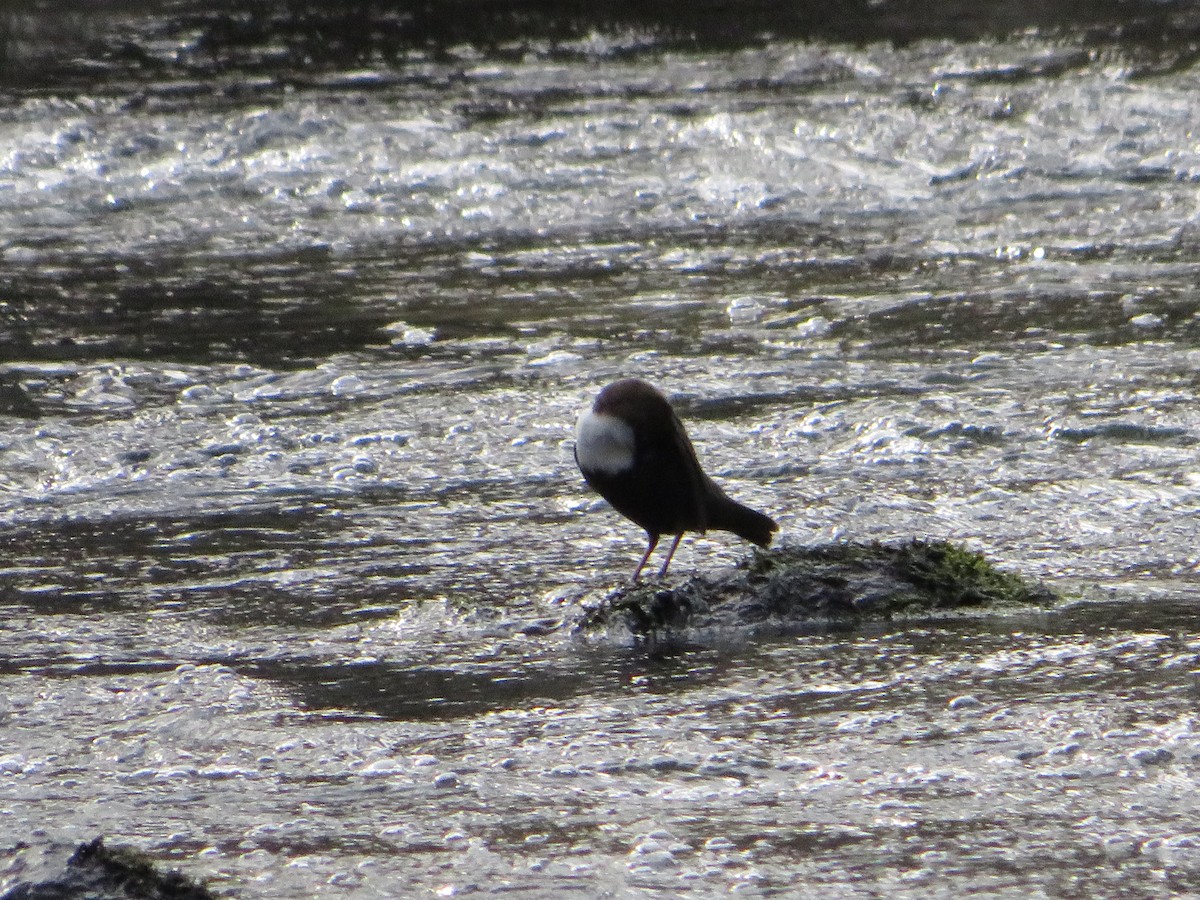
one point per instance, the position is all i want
(846, 583)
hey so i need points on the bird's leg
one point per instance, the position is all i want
(650, 549)
(670, 553)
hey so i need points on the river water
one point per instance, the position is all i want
(291, 524)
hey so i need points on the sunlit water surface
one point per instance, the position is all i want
(291, 522)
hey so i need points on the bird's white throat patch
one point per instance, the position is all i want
(603, 443)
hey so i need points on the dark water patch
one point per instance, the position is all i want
(284, 311)
(1051, 64)
(289, 308)
(133, 41)
(407, 692)
(1003, 317)
(733, 406)
(966, 432)
(81, 565)
(513, 674)
(1126, 432)
(62, 665)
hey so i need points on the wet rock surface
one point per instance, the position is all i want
(847, 583)
(94, 871)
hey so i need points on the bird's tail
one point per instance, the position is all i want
(726, 514)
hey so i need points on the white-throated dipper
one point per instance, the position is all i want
(633, 451)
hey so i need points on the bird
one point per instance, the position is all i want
(634, 452)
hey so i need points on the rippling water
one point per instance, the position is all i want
(289, 515)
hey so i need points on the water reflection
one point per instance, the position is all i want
(290, 518)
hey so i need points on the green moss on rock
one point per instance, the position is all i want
(837, 582)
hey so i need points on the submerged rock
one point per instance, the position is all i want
(96, 872)
(14, 399)
(831, 583)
